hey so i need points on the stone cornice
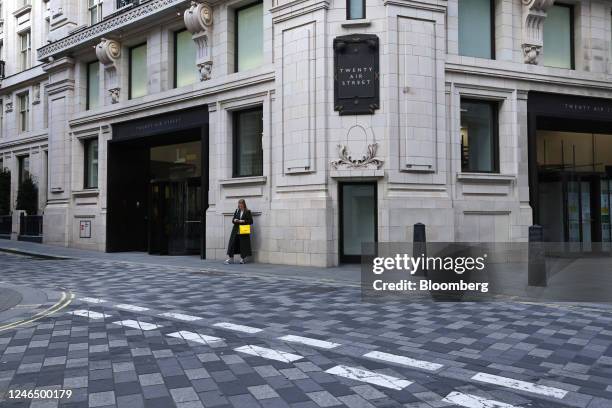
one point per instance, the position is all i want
(120, 20)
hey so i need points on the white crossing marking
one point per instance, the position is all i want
(238, 327)
(90, 314)
(92, 300)
(132, 308)
(520, 385)
(180, 316)
(195, 337)
(309, 341)
(401, 360)
(370, 377)
(270, 354)
(474, 401)
(135, 324)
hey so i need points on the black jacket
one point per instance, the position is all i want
(240, 243)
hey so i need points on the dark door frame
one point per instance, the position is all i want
(341, 256)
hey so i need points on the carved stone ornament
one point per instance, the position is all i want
(534, 14)
(114, 94)
(198, 20)
(205, 69)
(108, 51)
(9, 107)
(36, 99)
(367, 161)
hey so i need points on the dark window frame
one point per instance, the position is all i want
(86, 144)
(236, 11)
(235, 145)
(87, 98)
(130, 58)
(348, 10)
(572, 28)
(496, 105)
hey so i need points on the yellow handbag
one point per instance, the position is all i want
(244, 229)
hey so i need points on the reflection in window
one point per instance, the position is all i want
(138, 71)
(91, 163)
(558, 46)
(93, 85)
(176, 161)
(24, 168)
(24, 112)
(184, 59)
(248, 153)
(478, 136)
(475, 28)
(25, 50)
(249, 37)
(355, 9)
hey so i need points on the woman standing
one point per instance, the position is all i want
(240, 243)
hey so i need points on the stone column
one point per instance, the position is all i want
(61, 107)
(108, 53)
(534, 13)
(198, 20)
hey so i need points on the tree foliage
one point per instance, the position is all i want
(5, 192)
(27, 196)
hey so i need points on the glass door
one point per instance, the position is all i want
(358, 219)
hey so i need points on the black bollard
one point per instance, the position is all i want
(419, 245)
(536, 273)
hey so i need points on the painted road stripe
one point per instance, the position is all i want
(370, 377)
(131, 308)
(180, 316)
(270, 354)
(474, 401)
(195, 337)
(520, 385)
(92, 300)
(310, 342)
(90, 314)
(401, 360)
(135, 324)
(238, 327)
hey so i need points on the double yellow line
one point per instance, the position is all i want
(64, 301)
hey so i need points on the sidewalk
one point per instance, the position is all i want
(346, 274)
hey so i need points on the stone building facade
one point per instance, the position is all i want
(320, 181)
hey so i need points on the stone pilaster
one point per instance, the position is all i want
(534, 13)
(199, 20)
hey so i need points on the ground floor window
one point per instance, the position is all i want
(248, 152)
(479, 133)
(24, 168)
(91, 163)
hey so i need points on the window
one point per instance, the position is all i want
(93, 85)
(1, 117)
(479, 129)
(95, 11)
(24, 112)
(248, 153)
(138, 71)
(355, 9)
(25, 50)
(249, 37)
(185, 72)
(558, 50)
(476, 19)
(24, 168)
(91, 163)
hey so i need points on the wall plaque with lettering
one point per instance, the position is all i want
(356, 74)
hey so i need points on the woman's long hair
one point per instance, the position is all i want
(241, 201)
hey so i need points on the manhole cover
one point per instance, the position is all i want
(8, 299)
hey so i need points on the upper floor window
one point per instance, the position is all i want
(249, 37)
(558, 50)
(248, 152)
(95, 11)
(91, 163)
(355, 9)
(185, 71)
(93, 85)
(25, 50)
(23, 3)
(476, 18)
(479, 136)
(138, 77)
(24, 112)
(1, 119)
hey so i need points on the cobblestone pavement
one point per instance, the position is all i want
(160, 336)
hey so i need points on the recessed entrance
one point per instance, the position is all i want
(358, 219)
(158, 185)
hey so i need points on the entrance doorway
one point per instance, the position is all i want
(358, 218)
(158, 184)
